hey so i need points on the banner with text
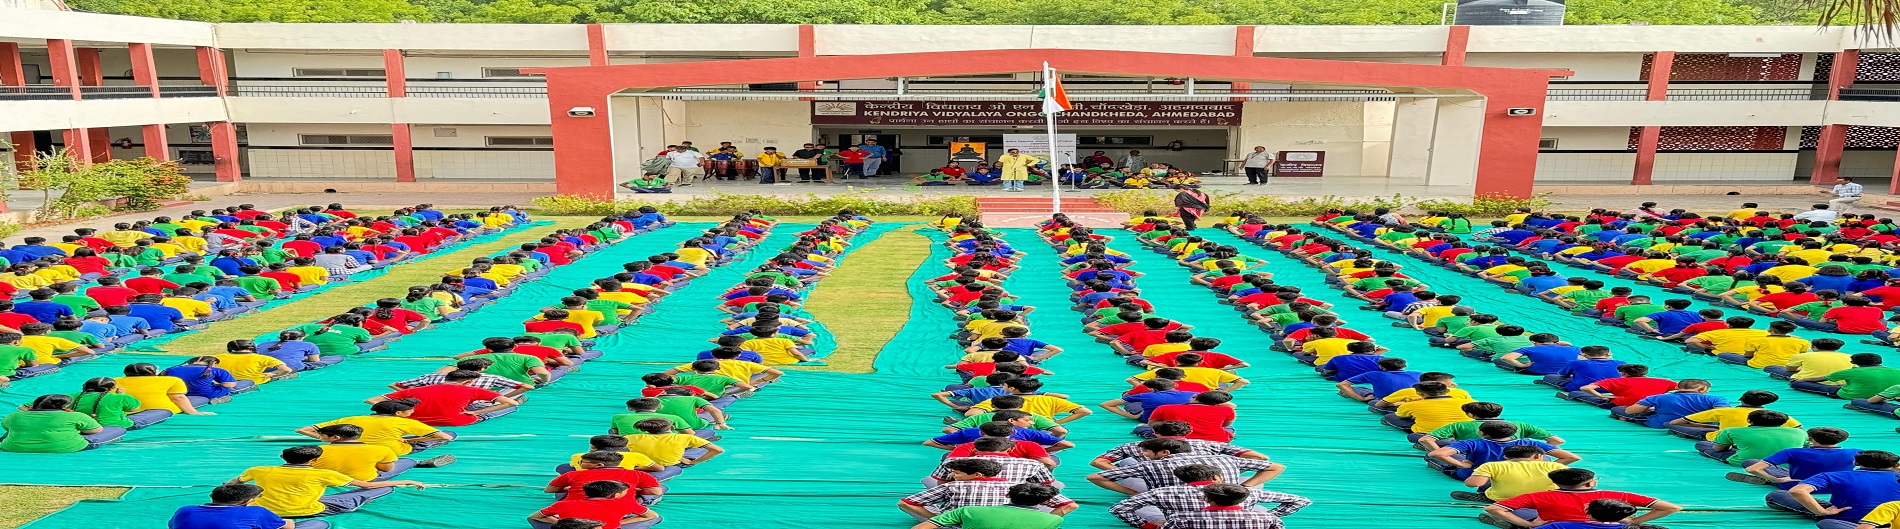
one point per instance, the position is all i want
(1037, 145)
(945, 113)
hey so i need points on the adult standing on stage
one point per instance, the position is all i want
(874, 156)
(1015, 169)
(1192, 203)
(1256, 165)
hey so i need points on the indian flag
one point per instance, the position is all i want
(1054, 98)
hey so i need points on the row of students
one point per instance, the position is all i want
(1740, 436)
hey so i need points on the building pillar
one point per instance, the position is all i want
(1893, 186)
(807, 48)
(398, 86)
(224, 151)
(596, 45)
(1833, 141)
(1457, 39)
(1414, 122)
(99, 138)
(157, 146)
(13, 73)
(1650, 138)
(64, 62)
(1243, 47)
(405, 151)
(144, 69)
(78, 144)
(1460, 133)
(211, 69)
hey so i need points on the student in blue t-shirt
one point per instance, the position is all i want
(1139, 406)
(1458, 458)
(962, 399)
(1547, 357)
(159, 317)
(1690, 397)
(1390, 377)
(231, 508)
(42, 307)
(1823, 454)
(1595, 365)
(1357, 361)
(1670, 321)
(1850, 494)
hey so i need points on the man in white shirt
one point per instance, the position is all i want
(1846, 193)
(685, 165)
(1256, 165)
(1134, 161)
(1820, 213)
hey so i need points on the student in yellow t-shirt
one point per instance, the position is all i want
(730, 365)
(191, 308)
(1708, 423)
(348, 456)
(242, 360)
(1525, 470)
(389, 426)
(1435, 407)
(657, 441)
(772, 348)
(1205, 376)
(297, 489)
(1043, 405)
(611, 444)
(156, 391)
(1772, 350)
(1732, 340)
(1326, 347)
(308, 272)
(49, 350)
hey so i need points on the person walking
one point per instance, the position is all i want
(874, 156)
(1256, 165)
(1015, 169)
(684, 165)
(1192, 204)
(1846, 193)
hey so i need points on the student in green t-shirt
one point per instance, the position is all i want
(1480, 413)
(1581, 301)
(1866, 379)
(1766, 433)
(641, 409)
(706, 377)
(49, 426)
(507, 363)
(101, 399)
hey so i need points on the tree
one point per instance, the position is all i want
(1659, 12)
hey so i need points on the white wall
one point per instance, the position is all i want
(1335, 127)
(72, 25)
(749, 125)
(1275, 40)
(778, 39)
(1588, 66)
(383, 110)
(1683, 113)
(1642, 39)
(66, 114)
(863, 40)
(522, 37)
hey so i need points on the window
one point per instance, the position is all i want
(345, 139)
(520, 141)
(1115, 140)
(507, 73)
(339, 72)
(196, 157)
(1547, 143)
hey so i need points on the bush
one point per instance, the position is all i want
(141, 183)
(723, 204)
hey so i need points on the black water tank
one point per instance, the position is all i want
(1510, 13)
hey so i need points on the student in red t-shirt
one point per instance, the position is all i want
(149, 282)
(1634, 385)
(447, 404)
(1211, 415)
(605, 502)
(389, 312)
(110, 293)
(602, 465)
(1856, 315)
(1576, 488)
(554, 319)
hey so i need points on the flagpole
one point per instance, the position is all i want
(1049, 118)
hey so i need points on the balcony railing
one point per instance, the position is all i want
(1870, 94)
(1686, 94)
(55, 93)
(187, 91)
(36, 92)
(251, 90)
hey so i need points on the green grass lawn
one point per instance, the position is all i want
(27, 503)
(867, 299)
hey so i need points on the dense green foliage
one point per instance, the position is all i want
(1070, 12)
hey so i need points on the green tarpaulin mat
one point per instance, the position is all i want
(832, 450)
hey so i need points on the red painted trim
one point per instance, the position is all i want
(1659, 71)
(397, 79)
(405, 152)
(59, 52)
(1457, 39)
(1846, 66)
(157, 145)
(211, 69)
(224, 151)
(1827, 155)
(596, 45)
(807, 47)
(1243, 47)
(1646, 141)
(144, 69)
(1507, 154)
(89, 74)
(12, 71)
(78, 144)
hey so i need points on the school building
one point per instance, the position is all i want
(574, 108)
